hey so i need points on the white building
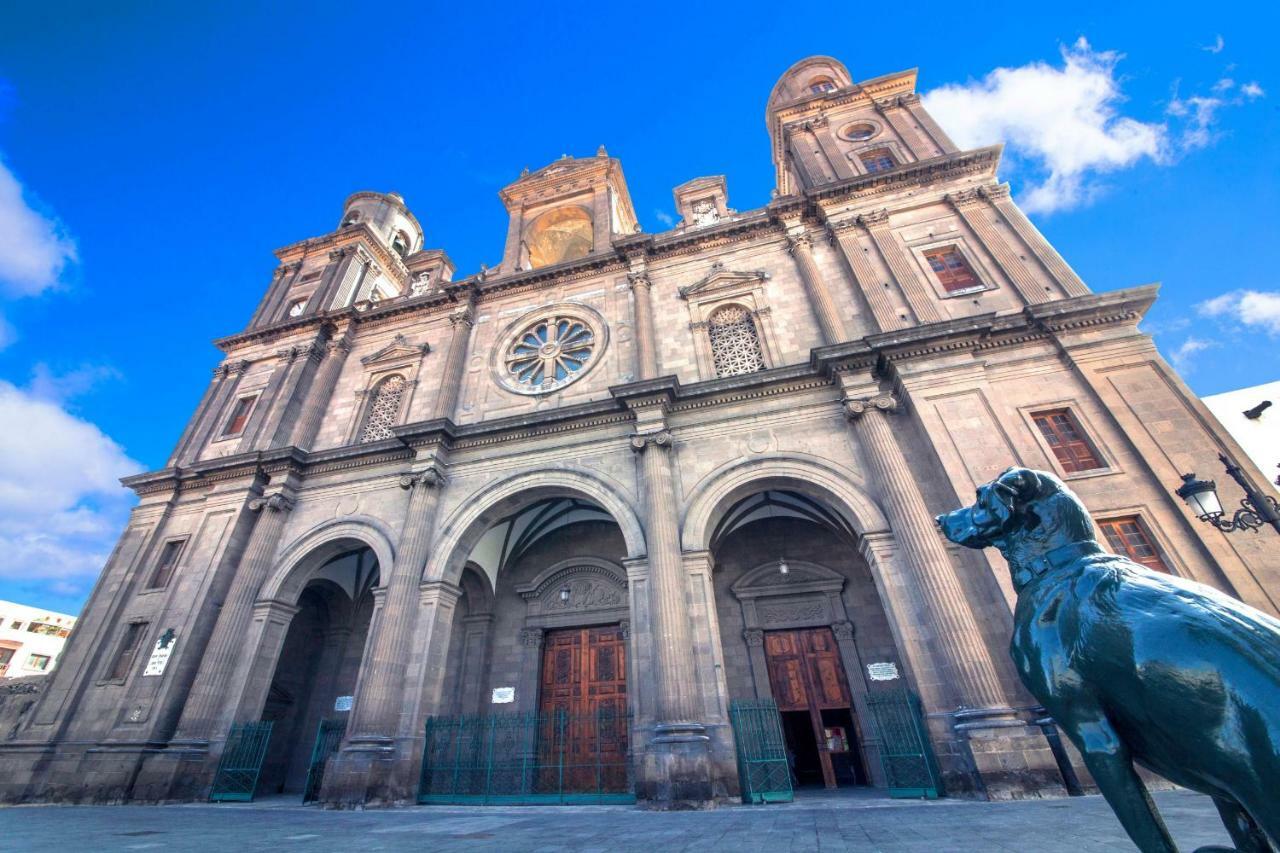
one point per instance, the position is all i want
(31, 639)
(1259, 435)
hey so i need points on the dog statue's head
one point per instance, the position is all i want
(1022, 512)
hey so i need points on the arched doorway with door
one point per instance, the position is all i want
(538, 685)
(802, 624)
(314, 680)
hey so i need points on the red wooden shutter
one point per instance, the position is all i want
(1127, 536)
(952, 269)
(1066, 439)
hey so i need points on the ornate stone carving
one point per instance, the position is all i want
(792, 612)
(625, 627)
(842, 630)
(531, 637)
(641, 441)
(427, 478)
(584, 594)
(996, 192)
(965, 198)
(638, 279)
(464, 316)
(705, 213)
(754, 636)
(886, 403)
(874, 218)
(735, 341)
(797, 242)
(276, 502)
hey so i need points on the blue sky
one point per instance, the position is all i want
(151, 159)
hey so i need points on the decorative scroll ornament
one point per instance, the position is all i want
(428, 477)
(886, 403)
(754, 636)
(641, 441)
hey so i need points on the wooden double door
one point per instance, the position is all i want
(807, 677)
(583, 706)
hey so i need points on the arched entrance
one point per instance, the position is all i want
(311, 690)
(800, 623)
(537, 696)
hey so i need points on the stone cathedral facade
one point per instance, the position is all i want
(634, 479)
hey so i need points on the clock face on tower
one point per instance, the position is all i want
(563, 234)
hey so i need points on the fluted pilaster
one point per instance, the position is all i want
(971, 208)
(213, 696)
(375, 715)
(824, 307)
(455, 361)
(864, 276)
(307, 426)
(963, 652)
(1040, 247)
(909, 281)
(646, 346)
(668, 599)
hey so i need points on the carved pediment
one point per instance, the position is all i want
(591, 585)
(398, 350)
(766, 581)
(721, 278)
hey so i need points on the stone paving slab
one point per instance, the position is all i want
(822, 823)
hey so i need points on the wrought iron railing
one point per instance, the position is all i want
(763, 770)
(528, 758)
(328, 739)
(905, 751)
(241, 762)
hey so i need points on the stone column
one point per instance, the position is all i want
(646, 346)
(276, 425)
(754, 638)
(971, 208)
(531, 640)
(855, 674)
(864, 276)
(211, 419)
(963, 654)
(913, 288)
(212, 395)
(375, 717)
(269, 309)
(1040, 247)
(225, 666)
(931, 127)
(334, 274)
(307, 426)
(677, 770)
(824, 307)
(455, 362)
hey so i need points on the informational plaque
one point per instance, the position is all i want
(343, 703)
(883, 671)
(504, 695)
(160, 653)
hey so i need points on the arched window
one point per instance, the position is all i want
(822, 85)
(879, 160)
(384, 410)
(735, 344)
(400, 243)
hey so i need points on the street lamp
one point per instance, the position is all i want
(1256, 509)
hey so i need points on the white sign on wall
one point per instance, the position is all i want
(160, 653)
(343, 703)
(883, 671)
(503, 695)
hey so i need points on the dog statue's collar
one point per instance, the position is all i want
(1064, 555)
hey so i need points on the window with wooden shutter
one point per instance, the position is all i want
(879, 160)
(1065, 437)
(168, 561)
(239, 416)
(1128, 536)
(953, 271)
(128, 651)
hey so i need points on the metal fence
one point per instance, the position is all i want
(555, 757)
(763, 770)
(241, 763)
(328, 739)
(905, 751)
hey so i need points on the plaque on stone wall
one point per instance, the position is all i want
(503, 695)
(882, 671)
(343, 703)
(160, 653)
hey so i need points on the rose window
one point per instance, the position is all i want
(550, 353)
(735, 344)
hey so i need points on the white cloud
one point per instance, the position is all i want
(1062, 121)
(1183, 356)
(665, 218)
(1252, 308)
(59, 387)
(1252, 90)
(61, 505)
(1217, 46)
(35, 250)
(1198, 112)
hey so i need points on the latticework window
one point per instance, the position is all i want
(384, 410)
(735, 344)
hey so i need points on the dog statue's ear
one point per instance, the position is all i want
(1010, 491)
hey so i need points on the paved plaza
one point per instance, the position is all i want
(817, 823)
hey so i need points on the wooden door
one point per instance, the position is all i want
(583, 700)
(807, 674)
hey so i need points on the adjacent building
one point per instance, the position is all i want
(31, 639)
(1252, 417)
(631, 516)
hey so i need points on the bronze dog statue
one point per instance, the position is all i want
(1136, 665)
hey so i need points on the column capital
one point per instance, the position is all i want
(278, 502)
(639, 279)
(532, 637)
(965, 199)
(874, 218)
(339, 254)
(464, 316)
(439, 592)
(754, 636)
(996, 192)
(427, 478)
(641, 441)
(842, 630)
(798, 242)
(856, 408)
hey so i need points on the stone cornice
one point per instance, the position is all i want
(979, 162)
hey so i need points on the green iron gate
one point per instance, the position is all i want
(555, 757)
(905, 752)
(328, 739)
(763, 771)
(237, 775)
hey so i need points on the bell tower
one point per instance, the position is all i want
(566, 211)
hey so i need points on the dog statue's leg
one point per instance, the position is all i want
(1109, 761)
(1247, 835)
